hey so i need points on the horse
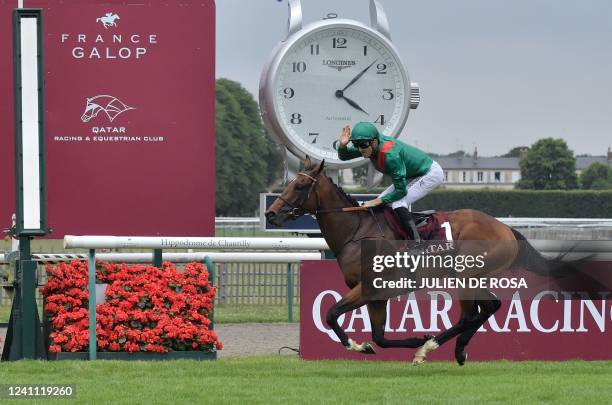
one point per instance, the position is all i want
(108, 20)
(344, 225)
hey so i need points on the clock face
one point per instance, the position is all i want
(337, 76)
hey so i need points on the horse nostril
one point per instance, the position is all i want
(269, 215)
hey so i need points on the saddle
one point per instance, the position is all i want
(428, 223)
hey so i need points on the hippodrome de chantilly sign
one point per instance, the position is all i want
(130, 126)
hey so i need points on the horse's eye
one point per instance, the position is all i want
(299, 186)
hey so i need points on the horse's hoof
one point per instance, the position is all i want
(461, 357)
(423, 351)
(368, 348)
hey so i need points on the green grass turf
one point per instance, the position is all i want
(280, 379)
(235, 313)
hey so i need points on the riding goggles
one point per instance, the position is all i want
(362, 144)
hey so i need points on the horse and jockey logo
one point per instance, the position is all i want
(108, 20)
(111, 105)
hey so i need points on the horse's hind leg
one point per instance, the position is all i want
(466, 320)
(488, 303)
(378, 318)
(352, 300)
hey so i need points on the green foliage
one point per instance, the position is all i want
(247, 161)
(549, 165)
(598, 176)
(523, 203)
(459, 153)
(517, 151)
(360, 174)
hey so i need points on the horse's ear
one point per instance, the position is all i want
(307, 163)
(321, 166)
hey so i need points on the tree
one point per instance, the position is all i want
(459, 153)
(548, 165)
(360, 175)
(517, 151)
(598, 176)
(247, 160)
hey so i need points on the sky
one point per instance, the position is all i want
(493, 74)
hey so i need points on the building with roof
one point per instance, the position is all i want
(495, 172)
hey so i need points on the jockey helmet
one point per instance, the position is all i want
(364, 131)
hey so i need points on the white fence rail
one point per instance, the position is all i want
(217, 257)
(237, 243)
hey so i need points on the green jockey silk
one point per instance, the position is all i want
(396, 159)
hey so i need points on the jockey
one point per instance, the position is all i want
(413, 172)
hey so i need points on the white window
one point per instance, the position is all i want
(464, 177)
(497, 177)
(446, 177)
(480, 177)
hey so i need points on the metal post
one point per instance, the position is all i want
(289, 293)
(210, 266)
(28, 299)
(157, 258)
(93, 344)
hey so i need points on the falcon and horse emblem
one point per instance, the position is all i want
(110, 105)
(344, 225)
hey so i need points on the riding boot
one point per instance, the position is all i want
(407, 220)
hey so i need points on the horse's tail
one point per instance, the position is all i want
(532, 260)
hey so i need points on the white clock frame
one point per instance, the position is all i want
(379, 30)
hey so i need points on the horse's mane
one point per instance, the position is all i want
(344, 194)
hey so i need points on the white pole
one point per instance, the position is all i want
(145, 242)
(217, 257)
(155, 242)
(241, 257)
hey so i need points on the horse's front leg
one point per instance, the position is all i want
(352, 300)
(378, 318)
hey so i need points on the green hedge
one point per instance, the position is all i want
(523, 203)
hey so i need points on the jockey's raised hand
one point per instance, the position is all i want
(345, 136)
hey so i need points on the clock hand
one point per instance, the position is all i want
(354, 104)
(359, 75)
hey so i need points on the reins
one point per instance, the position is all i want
(343, 209)
(295, 209)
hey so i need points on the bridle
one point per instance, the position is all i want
(297, 209)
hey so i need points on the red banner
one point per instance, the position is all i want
(129, 116)
(555, 327)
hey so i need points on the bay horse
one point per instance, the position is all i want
(312, 192)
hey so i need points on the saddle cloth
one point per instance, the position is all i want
(428, 224)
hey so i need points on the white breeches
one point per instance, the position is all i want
(418, 187)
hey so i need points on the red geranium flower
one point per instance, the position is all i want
(146, 308)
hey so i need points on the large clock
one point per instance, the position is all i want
(330, 74)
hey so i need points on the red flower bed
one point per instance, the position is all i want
(147, 309)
